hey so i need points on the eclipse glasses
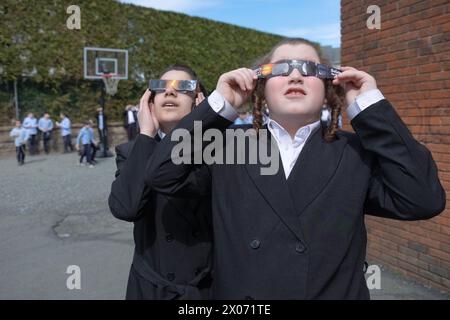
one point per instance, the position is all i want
(178, 85)
(306, 68)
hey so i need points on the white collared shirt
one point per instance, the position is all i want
(290, 148)
(161, 134)
(130, 117)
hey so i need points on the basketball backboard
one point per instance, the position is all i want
(100, 61)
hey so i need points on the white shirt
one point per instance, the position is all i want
(130, 117)
(161, 134)
(31, 125)
(290, 148)
(100, 121)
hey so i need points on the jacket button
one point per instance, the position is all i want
(255, 244)
(195, 233)
(300, 248)
(171, 276)
(169, 237)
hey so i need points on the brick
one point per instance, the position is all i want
(417, 43)
(419, 24)
(432, 67)
(444, 288)
(407, 3)
(439, 237)
(430, 259)
(418, 7)
(444, 247)
(445, 230)
(415, 277)
(443, 75)
(445, 66)
(444, 18)
(408, 251)
(419, 247)
(430, 276)
(440, 271)
(407, 266)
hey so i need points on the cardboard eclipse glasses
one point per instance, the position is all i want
(178, 85)
(305, 67)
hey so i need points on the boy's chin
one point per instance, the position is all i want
(170, 116)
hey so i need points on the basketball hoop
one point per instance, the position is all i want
(111, 83)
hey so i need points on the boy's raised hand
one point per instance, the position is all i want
(354, 82)
(236, 86)
(148, 123)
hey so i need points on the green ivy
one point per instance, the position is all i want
(34, 36)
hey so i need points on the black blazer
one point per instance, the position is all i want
(105, 121)
(173, 236)
(305, 237)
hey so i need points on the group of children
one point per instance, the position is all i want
(26, 133)
(86, 145)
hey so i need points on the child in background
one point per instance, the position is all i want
(86, 138)
(30, 124)
(65, 127)
(20, 136)
(94, 146)
(45, 125)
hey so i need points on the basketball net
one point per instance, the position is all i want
(111, 83)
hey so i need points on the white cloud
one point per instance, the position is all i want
(186, 6)
(326, 34)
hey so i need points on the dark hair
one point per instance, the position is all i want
(334, 95)
(189, 71)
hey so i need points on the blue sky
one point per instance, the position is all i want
(317, 20)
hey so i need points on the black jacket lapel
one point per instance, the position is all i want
(275, 190)
(314, 168)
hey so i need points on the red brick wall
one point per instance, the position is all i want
(410, 58)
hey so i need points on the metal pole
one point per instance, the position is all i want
(104, 123)
(16, 99)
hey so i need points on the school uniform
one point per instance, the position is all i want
(30, 123)
(173, 237)
(86, 138)
(20, 136)
(301, 235)
(102, 131)
(130, 122)
(94, 147)
(65, 127)
(46, 127)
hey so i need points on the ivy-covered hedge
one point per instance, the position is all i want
(34, 38)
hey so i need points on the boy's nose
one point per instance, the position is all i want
(295, 76)
(170, 91)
